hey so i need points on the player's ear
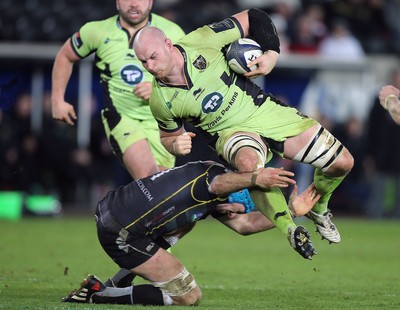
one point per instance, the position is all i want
(169, 43)
(117, 4)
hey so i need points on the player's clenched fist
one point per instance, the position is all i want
(183, 143)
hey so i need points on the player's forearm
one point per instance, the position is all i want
(255, 222)
(230, 182)
(168, 143)
(247, 224)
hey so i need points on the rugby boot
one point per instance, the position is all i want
(89, 286)
(324, 226)
(299, 239)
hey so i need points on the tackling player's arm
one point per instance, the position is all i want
(254, 222)
(62, 69)
(263, 178)
(257, 25)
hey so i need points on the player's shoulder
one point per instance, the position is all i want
(101, 25)
(159, 21)
(210, 35)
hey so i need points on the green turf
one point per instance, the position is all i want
(41, 260)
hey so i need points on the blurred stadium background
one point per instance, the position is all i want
(46, 165)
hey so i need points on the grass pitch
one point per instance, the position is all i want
(41, 260)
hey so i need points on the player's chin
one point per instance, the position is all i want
(158, 74)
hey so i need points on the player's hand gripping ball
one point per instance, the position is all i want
(240, 53)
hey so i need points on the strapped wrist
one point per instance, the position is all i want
(173, 148)
(254, 178)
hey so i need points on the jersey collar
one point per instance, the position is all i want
(189, 82)
(130, 39)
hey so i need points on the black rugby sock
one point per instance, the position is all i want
(145, 294)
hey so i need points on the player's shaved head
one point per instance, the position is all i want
(154, 50)
(147, 36)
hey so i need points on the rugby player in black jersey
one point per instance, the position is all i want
(137, 222)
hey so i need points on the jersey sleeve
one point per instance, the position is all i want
(174, 32)
(85, 41)
(216, 35)
(166, 120)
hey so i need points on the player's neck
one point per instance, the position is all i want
(176, 75)
(132, 29)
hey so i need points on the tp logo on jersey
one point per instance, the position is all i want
(212, 102)
(131, 75)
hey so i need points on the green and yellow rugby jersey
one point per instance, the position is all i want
(214, 94)
(120, 70)
(216, 100)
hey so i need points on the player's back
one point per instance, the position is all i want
(167, 200)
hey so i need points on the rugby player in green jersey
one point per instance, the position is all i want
(243, 123)
(130, 127)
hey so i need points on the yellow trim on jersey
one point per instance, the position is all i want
(190, 183)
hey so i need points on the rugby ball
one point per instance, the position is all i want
(240, 53)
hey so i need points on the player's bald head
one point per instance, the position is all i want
(154, 50)
(147, 36)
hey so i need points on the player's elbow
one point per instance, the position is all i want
(245, 232)
(245, 229)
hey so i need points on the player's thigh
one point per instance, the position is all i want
(162, 157)
(318, 147)
(139, 160)
(134, 251)
(145, 257)
(161, 267)
(124, 132)
(293, 145)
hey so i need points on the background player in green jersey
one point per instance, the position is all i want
(243, 123)
(136, 222)
(131, 129)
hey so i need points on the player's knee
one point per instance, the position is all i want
(343, 164)
(192, 298)
(182, 289)
(247, 160)
(245, 151)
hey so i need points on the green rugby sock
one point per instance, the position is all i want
(325, 185)
(273, 205)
